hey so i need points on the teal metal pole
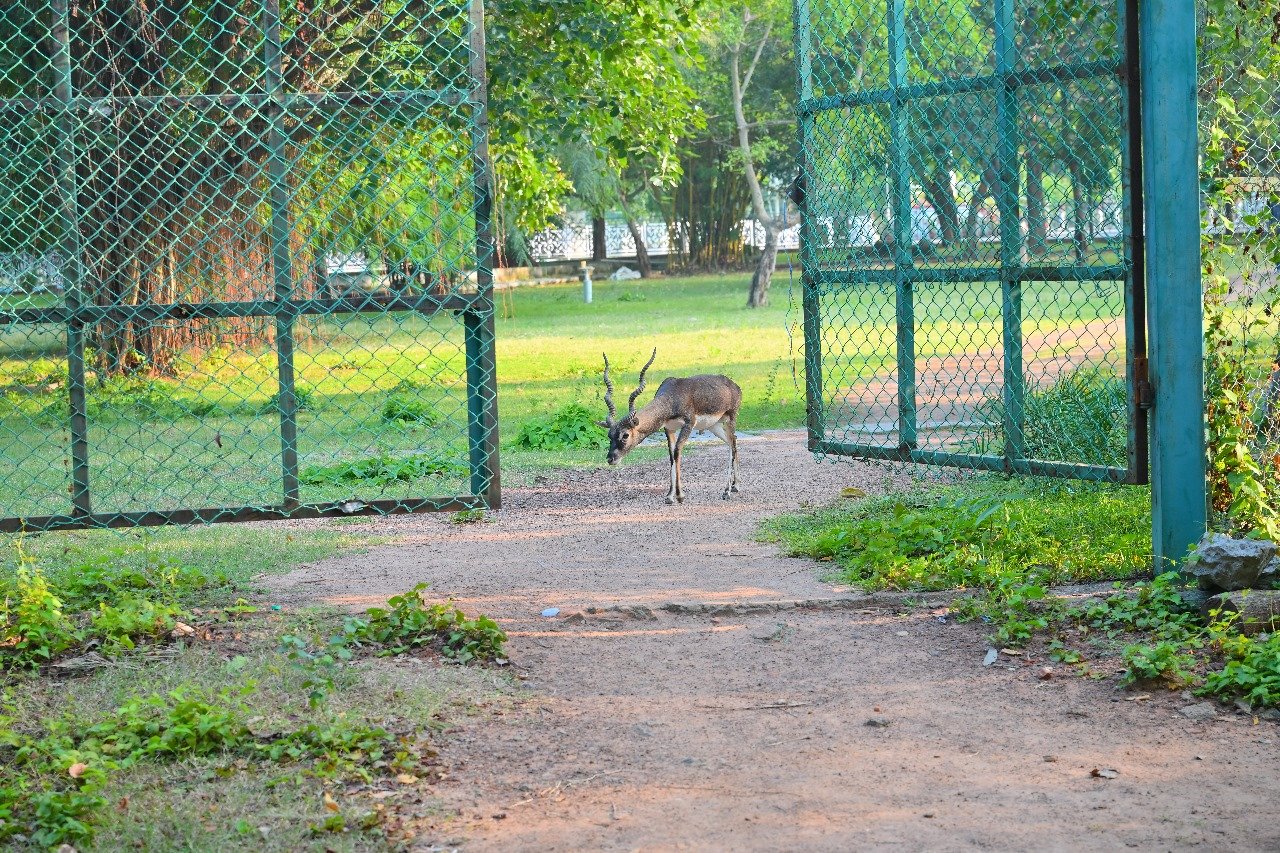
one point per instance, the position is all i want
(900, 201)
(281, 255)
(1008, 203)
(478, 323)
(71, 261)
(815, 417)
(1175, 309)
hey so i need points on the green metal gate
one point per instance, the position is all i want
(970, 234)
(245, 261)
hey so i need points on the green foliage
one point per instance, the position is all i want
(51, 780)
(980, 534)
(132, 617)
(105, 599)
(304, 397)
(406, 408)
(1161, 638)
(34, 629)
(1154, 607)
(1017, 610)
(1165, 660)
(377, 470)
(468, 516)
(1240, 254)
(1251, 671)
(408, 622)
(572, 426)
(111, 577)
(598, 73)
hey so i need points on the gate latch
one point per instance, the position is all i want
(1143, 391)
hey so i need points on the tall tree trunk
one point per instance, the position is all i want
(599, 240)
(758, 296)
(941, 195)
(1037, 224)
(642, 252)
(1079, 205)
(980, 195)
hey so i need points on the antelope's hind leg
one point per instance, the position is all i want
(725, 432)
(671, 457)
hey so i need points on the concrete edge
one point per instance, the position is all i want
(875, 601)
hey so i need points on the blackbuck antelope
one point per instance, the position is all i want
(703, 403)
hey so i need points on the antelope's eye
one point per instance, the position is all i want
(624, 436)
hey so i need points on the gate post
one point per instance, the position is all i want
(1170, 151)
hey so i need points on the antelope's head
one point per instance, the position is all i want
(624, 434)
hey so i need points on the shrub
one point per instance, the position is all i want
(303, 395)
(407, 408)
(377, 470)
(572, 427)
(1251, 671)
(33, 627)
(1082, 417)
(130, 618)
(1164, 660)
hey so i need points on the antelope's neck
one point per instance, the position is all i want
(653, 417)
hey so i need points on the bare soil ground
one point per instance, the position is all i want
(777, 727)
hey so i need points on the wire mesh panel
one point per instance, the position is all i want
(972, 288)
(245, 261)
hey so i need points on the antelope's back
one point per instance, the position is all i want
(710, 393)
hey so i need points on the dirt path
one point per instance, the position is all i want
(799, 728)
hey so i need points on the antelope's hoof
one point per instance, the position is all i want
(734, 488)
(725, 496)
(680, 499)
(670, 500)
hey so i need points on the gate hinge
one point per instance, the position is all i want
(1143, 391)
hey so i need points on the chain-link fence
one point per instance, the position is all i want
(244, 261)
(968, 205)
(1240, 138)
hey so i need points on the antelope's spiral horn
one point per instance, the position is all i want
(631, 403)
(608, 393)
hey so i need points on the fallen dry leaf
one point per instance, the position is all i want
(1104, 774)
(330, 803)
(75, 771)
(407, 779)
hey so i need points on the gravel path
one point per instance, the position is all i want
(787, 729)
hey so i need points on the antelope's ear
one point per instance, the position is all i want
(602, 424)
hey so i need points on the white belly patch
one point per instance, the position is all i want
(701, 423)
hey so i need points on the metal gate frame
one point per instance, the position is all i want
(1161, 70)
(1011, 272)
(476, 310)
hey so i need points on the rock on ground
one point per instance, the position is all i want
(1224, 563)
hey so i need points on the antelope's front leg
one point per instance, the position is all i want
(676, 486)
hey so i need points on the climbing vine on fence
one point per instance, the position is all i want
(1240, 177)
